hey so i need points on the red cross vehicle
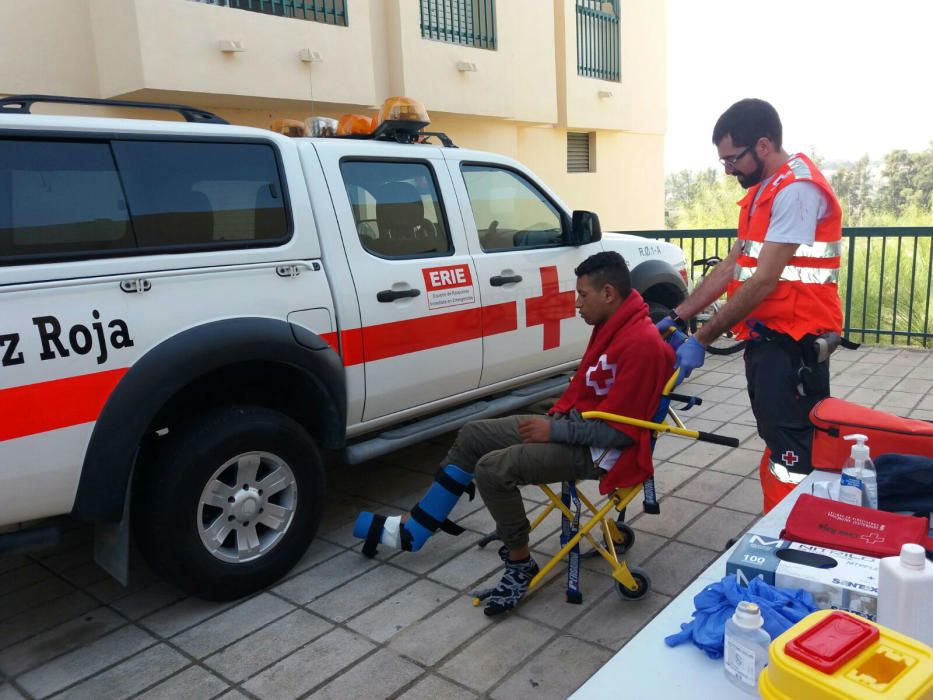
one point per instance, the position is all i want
(191, 312)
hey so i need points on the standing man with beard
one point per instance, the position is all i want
(781, 277)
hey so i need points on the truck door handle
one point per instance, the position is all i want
(387, 295)
(499, 280)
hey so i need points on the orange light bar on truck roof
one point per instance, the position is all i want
(403, 109)
(354, 124)
(288, 127)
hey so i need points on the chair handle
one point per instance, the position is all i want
(717, 439)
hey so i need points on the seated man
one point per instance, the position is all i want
(623, 371)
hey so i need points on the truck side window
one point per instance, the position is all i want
(60, 197)
(509, 211)
(396, 208)
(203, 194)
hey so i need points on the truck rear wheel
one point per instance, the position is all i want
(231, 502)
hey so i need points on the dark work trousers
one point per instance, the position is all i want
(782, 414)
(493, 450)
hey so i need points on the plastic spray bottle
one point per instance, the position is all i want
(746, 647)
(858, 485)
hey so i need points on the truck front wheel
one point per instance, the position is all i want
(231, 502)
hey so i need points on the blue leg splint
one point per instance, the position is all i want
(426, 518)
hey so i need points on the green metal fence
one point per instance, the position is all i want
(598, 39)
(467, 22)
(326, 11)
(885, 282)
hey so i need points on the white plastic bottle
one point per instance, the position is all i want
(858, 484)
(746, 647)
(905, 593)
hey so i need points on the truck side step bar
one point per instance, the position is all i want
(438, 424)
(29, 540)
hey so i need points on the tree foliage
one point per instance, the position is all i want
(899, 194)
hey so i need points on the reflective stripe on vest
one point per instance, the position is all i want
(812, 264)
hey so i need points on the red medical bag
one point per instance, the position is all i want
(872, 533)
(835, 418)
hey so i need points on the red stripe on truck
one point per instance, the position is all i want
(385, 340)
(60, 403)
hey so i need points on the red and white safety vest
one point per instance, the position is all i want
(806, 298)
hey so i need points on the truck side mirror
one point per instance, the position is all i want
(584, 228)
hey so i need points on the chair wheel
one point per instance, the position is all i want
(625, 541)
(644, 585)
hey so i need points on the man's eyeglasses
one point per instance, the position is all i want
(732, 160)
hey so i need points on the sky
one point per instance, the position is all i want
(847, 77)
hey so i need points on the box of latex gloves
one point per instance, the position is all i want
(836, 579)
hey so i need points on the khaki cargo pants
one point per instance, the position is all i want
(493, 450)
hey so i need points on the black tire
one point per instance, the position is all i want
(644, 586)
(626, 542)
(726, 344)
(657, 311)
(171, 509)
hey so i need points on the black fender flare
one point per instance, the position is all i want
(652, 272)
(171, 365)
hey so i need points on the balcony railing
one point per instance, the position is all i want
(467, 22)
(326, 11)
(598, 39)
(885, 281)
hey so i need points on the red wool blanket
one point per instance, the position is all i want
(623, 371)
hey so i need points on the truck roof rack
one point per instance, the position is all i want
(400, 137)
(22, 104)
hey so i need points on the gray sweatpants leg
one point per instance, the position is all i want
(493, 450)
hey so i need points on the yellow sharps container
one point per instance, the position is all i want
(833, 654)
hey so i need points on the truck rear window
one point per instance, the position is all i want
(64, 199)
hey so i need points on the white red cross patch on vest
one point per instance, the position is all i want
(600, 376)
(790, 458)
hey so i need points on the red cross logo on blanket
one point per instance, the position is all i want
(601, 376)
(548, 309)
(790, 458)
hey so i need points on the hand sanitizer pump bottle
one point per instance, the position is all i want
(858, 485)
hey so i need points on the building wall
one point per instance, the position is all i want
(521, 101)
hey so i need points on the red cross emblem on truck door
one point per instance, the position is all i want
(548, 309)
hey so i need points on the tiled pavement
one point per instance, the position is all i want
(342, 626)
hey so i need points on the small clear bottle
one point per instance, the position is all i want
(858, 484)
(746, 647)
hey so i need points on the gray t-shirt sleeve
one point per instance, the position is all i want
(574, 430)
(794, 214)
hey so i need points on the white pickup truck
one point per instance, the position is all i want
(190, 311)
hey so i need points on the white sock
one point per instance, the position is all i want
(390, 532)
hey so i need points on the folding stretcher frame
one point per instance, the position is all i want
(631, 582)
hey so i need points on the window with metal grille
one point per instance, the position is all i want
(598, 39)
(326, 11)
(467, 22)
(578, 153)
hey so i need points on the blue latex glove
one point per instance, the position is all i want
(664, 324)
(781, 608)
(690, 355)
(676, 339)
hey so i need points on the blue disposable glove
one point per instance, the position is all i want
(664, 324)
(690, 355)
